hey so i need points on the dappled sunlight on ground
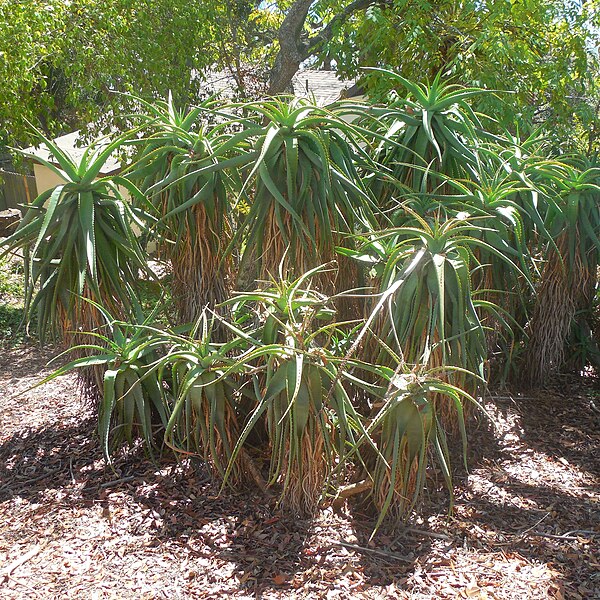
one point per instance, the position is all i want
(526, 523)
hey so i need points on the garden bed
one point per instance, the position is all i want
(526, 522)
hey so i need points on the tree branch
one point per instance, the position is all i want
(293, 50)
(326, 34)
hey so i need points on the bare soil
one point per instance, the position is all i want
(526, 522)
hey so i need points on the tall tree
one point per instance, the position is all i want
(62, 60)
(544, 54)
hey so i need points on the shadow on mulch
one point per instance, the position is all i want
(535, 533)
(565, 425)
(181, 505)
(35, 461)
(178, 503)
(562, 428)
(396, 550)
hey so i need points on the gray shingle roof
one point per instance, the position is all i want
(324, 87)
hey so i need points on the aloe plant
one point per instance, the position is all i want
(569, 276)
(309, 417)
(431, 131)
(406, 429)
(134, 404)
(426, 283)
(307, 196)
(181, 168)
(502, 285)
(203, 378)
(82, 245)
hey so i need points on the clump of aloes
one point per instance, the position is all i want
(182, 170)
(300, 403)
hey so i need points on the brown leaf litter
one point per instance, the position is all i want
(526, 523)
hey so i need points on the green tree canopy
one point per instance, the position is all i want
(543, 53)
(61, 60)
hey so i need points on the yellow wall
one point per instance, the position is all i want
(45, 179)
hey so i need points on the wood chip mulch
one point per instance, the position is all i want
(526, 523)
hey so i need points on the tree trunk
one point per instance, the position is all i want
(293, 49)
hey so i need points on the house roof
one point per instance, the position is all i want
(324, 87)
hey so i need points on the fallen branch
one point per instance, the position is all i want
(353, 489)
(565, 536)
(383, 553)
(8, 571)
(583, 532)
(527, 529)
(116, 482)
(431, 534)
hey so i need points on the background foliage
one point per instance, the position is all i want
(59, 61)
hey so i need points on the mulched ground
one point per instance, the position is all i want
(526, 522)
